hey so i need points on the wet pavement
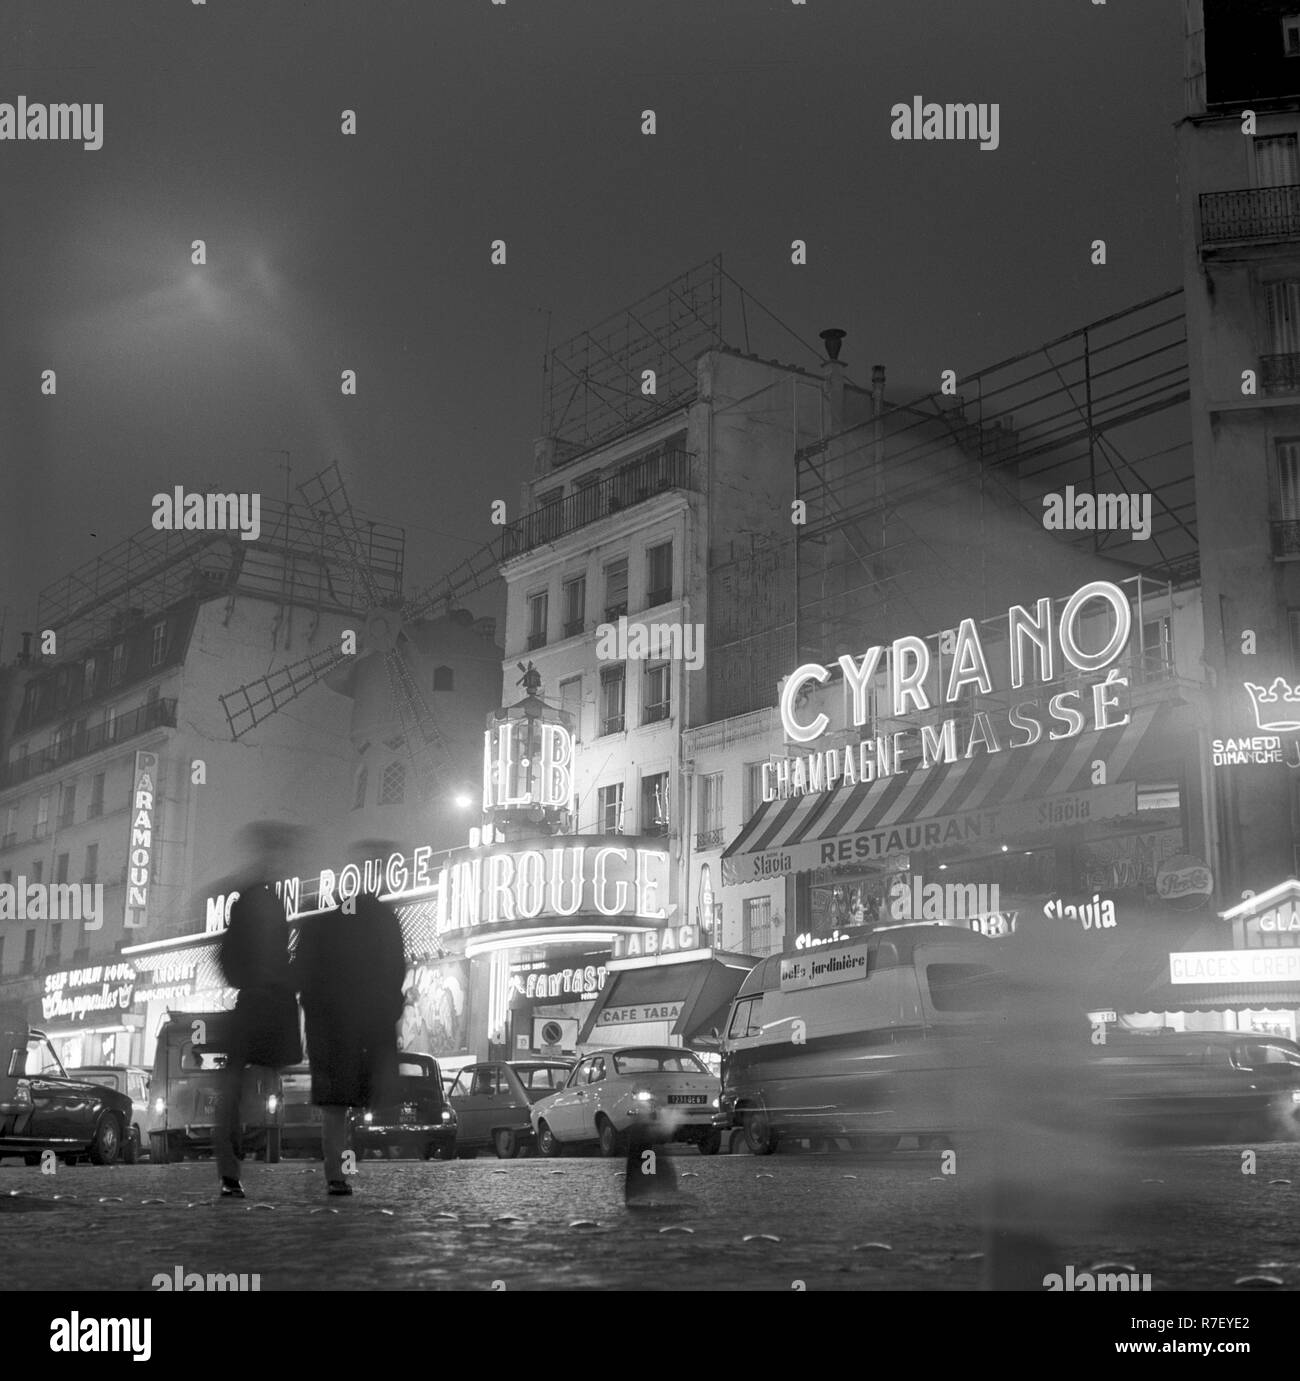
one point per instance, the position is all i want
(817, 1221)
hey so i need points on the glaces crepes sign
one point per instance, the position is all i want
(1038, 646)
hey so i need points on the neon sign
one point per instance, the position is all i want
(527, 763)
(142, 806)
(1033, 644)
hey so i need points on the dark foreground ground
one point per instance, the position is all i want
(1188, 1216)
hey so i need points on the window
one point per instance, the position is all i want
(611, 700)
(961, 987)
(537, 609)
(110, 723)
(359, 795)
(746, 1019)
(710, 819)
(11, 827)
(1291, 35)
(542, 1076)
(38, 870)
(571, 702)
(91, 872)
(443, 679)
(88, 675)
(67, 803)
(654, 804)
(1157, 650)
(753, 787)
(486, 1083)
(42, 825)
(29, 951)
(2, 953)
(96, 806)
(758, 935)
(656, 694)
(575, 606)
(655, 1061)
(549, 518)
(392, 785)
(117, 664)
(597, 1072)
(1276, 161)
(56, 940)
(611, 809)
(1285, 498)
(579, 1075)
(158, 649)
(1282, 311)
(587, 498)
(659, 574)
(616, 589)
(61, 868)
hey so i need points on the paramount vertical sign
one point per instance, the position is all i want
(143, 793)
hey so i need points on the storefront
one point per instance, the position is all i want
(89, 1014)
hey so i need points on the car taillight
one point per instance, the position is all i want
(369, 1117)
(446, 1114)
(642, 1095)
(160, 1106)
(272, 1103)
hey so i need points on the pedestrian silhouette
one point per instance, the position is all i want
(254, 957)
(350, 968)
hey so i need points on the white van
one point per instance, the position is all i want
(861, 1040)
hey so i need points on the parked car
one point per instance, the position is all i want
(866, 1040)
(418, 1122)
(300, 1127)
(491, 1102)
(664, 1092)
(43, 1108)
(1208, 1085)
(134, 1082)
(186, 1085)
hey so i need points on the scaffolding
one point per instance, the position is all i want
(293, 561)
(938, 503)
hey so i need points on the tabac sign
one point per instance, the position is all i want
(1038, 647)
(143, 793)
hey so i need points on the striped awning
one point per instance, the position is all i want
(1009, 795)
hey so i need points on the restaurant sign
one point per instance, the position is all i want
(1236, 966)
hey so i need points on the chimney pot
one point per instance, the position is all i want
(833, 338)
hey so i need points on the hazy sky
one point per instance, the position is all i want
(521, 122)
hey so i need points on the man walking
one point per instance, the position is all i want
(350, 968)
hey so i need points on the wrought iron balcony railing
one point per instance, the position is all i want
(154, 714)
(1250, 214)
(1279, 373)
(634, 483)
(1286, 536)
(710, 839)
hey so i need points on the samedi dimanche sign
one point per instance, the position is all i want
(1034, 643)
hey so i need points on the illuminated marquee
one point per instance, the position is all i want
(587, 876)
(1033, 642)
(143, 793)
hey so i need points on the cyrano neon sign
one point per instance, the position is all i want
(1033, 644)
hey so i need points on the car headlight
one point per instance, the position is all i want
(1295, 1095)
(446, 1114)
(272, 1103)
(160, 1106)
(717, 1102)
(369, 1117)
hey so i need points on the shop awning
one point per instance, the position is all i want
(1012, 794)
(694, 996)
(1227, 997)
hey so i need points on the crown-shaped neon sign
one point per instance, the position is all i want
(1278, 707)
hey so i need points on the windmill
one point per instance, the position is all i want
(386, 632)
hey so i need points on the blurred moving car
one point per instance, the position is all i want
(867, 1039)
(419, 1121)
(43, 1108)
(662, 1092)
(186, 1084)
(1220, 1085)
(300, 1127)
(491, 1102)
(134, 1082)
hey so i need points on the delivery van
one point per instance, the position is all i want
(864, 1040)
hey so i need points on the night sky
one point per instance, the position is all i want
(522, 122)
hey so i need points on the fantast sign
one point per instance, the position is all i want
(1034, 643)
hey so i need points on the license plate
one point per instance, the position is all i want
(686, 1098)
(315, 1114)
(210, 1102)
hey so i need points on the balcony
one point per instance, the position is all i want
(1250, 216)
(1286, 538)
(634, 483)
(1279, 373)
(710, 839)
(156, 714)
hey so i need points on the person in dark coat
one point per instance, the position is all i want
(350, 967)
(254, 957)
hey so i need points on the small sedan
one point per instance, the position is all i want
(132, 1081)
(657, 1093)
(418, 1122)
(42, 1108)
(492, 1101)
